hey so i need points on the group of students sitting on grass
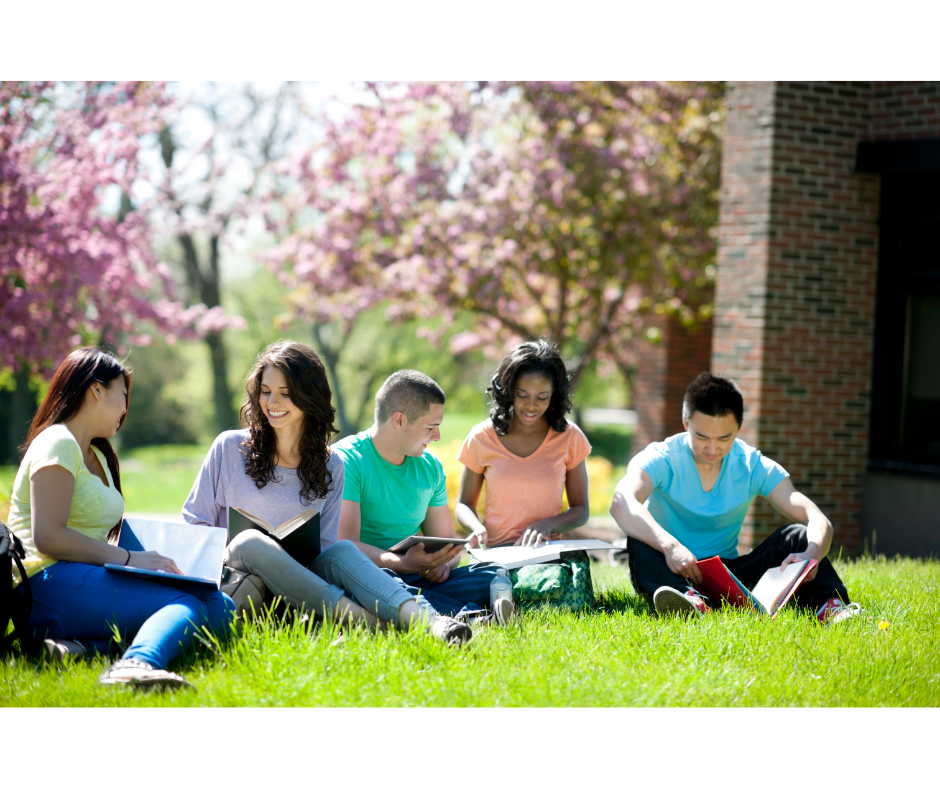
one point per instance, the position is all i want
(681, 500)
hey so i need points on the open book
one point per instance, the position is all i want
(513, 557)
(770, 594)
(197, 550)
(299, 536)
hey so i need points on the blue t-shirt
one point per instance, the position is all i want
(393, 499)
(706, 523)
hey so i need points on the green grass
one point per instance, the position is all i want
(456, 426)
(157, 479)
(617, 655)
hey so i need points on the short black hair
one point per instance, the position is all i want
(407, 391)
(713, 395)
(539, 356)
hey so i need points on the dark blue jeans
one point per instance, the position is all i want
(74, 601)
(466, 591)
(649, 571)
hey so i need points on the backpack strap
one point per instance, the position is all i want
(16, 605)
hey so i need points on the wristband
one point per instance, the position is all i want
(128, 556)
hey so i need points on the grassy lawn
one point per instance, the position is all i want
(617, 655)
(157, 479)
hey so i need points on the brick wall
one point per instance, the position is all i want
(664, 371)
(904, 111)
(796, 288)
(795, 291)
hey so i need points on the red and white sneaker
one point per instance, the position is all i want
(835, 610)
(668, 600)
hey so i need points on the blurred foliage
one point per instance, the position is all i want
(611, 441)
(160, 410)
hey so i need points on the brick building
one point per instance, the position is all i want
(827, 303)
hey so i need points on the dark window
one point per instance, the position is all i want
(905, 423)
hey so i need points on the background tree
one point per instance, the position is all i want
(555, 209)
(72, 271)
(213, 161)
(340, 208)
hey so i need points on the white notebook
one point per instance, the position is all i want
(514, 557)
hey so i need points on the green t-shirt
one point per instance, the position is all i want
(393, 499)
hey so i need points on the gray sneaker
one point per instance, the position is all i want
(141, 675)
(451, 631)
(60, 651)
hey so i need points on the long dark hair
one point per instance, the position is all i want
(66, 396)
(309, 390)
(539, 356)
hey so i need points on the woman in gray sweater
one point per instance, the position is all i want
(282, 465)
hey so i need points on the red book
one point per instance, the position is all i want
(770, 594)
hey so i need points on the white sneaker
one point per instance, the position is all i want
(138, 673)
(505, 611)
(835, 611)
(668, 600)
(61, 650)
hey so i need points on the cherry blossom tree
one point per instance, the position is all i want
(567, 210)
(71, 271)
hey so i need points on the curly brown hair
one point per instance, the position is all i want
(309, 390)
(540, 356)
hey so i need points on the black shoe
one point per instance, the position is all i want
(451, 631)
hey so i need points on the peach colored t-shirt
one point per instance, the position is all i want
(521, 490)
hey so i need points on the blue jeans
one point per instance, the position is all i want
(467, 590)
(339, 570)
(74, 601)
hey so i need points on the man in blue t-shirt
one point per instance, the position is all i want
(684, 499)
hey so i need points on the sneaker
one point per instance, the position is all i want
(835, 610)
(502, 614)
(451, 631)
(505, 611)
(138, 673)
(669, 600)
(61, 650)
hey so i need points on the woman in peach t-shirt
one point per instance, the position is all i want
(527, 452)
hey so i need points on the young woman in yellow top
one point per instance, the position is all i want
(66, 499)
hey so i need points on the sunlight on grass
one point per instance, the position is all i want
(616, 655)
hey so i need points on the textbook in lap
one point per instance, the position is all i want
(299, 536)
(197, 550)
(514, 556)
(770, 594)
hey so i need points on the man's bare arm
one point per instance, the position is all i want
(439, 523)
(415, 560)
(791, 503)
(636, 522)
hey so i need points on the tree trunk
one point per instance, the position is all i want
(22, 409)
(225, 416)
(330, 356)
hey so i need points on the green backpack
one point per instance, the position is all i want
(565, 583)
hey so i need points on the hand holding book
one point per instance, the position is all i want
(813, 552)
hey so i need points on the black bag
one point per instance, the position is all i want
(15, 604)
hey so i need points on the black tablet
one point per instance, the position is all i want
(431, 543)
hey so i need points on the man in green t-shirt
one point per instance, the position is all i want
(395, 489)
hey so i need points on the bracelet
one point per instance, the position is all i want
(128, 556)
